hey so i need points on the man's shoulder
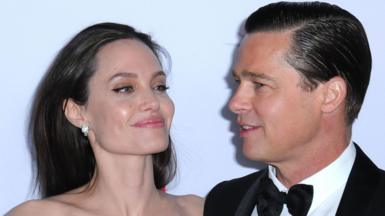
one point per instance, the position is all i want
(225, 197)
(377, 200)
(238, 184)
(365, 189)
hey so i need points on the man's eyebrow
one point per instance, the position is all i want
(252, 75)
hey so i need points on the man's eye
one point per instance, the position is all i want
(237, 80)
(258, 85)
(124, 89)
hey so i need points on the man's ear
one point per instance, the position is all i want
(74, 112)
(334, 94)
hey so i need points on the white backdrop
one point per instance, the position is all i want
(200, 36)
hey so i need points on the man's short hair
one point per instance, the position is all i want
(328, 41)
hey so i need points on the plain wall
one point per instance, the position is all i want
(200, 36)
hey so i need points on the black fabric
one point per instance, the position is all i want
(270, 200)
(364, 193)
(234, 197)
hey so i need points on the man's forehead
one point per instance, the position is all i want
(260, 47)
(266, 42)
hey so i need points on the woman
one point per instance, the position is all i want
(100, 126)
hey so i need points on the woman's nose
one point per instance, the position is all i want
(149, 101)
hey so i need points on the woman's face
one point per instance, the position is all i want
(128, 110)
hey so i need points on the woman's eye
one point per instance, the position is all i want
(161, 88)
(124, 89)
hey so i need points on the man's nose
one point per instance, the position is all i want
(241, 101)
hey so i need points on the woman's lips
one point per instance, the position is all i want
(150, 123)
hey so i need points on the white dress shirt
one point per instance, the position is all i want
(328, 184)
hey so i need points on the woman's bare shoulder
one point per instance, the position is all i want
(36, 207)
(191, 205)
(43, 207)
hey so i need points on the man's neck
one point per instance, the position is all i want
(317, 156)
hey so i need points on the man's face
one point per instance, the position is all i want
(278, 118)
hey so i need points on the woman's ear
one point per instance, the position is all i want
(334, 94)
(74, 112)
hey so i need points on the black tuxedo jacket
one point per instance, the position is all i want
(364, 193)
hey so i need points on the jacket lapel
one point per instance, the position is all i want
(360, 187)
(247, 203)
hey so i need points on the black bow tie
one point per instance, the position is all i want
(270, 200)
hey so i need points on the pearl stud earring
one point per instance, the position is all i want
(85, 129)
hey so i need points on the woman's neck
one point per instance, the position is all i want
(124, 184)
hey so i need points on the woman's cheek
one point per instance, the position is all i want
(169, 110)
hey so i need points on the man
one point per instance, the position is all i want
(303, 70)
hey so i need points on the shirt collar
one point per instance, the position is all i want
(326, 181)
